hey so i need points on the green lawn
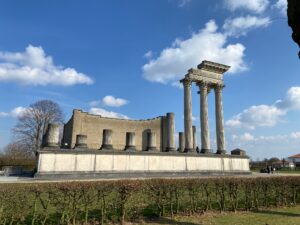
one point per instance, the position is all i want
(284, 216)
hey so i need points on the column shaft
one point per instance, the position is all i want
(130, 141)
(188, 115)
(181, 142)
(51, 138)
(204, 123)
(219, 120)
(151, 141)
(170, 132)
(194, 137)
(107, 139)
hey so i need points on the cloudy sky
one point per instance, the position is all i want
(124, 59)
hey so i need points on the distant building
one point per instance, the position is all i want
(283, 164)
(295, 159)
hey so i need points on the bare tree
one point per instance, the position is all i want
(32, 125)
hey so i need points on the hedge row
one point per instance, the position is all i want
(99, 202)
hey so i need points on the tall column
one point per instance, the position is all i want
(181, 142)
(194, 137)
(219, 120)
(204, 123)
(107, 140)
(170, 132)
(130, 141)
(188, 115)
(51, 138)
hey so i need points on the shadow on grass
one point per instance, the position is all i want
(290, 214)
(163, 220)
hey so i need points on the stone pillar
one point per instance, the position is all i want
(194, 137)
(81, 141)
(51, 138)
(205, 140)
(130, 141)
(107, 140)
(151, 141)
(219, 120)
(188, 115)
(181, 144)
(170, 132)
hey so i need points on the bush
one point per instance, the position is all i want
(99, 202)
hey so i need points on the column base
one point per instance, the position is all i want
(221, 152)
(149, 149)
(81, 146)
(130, 148)
(169, 149)
(189, 150)
(205, 151)
(106, 147)
(52, 145)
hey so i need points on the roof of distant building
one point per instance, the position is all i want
(295, 156)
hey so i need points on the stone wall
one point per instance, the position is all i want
(93, 126)
(56, 163)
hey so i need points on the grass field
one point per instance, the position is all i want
(283, 216)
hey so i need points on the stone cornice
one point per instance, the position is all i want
(213, 67)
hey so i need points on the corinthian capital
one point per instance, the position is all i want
(186, 82)
(218, 87)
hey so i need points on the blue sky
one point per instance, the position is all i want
(125, 58)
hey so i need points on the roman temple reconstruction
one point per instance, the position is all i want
(96, 146)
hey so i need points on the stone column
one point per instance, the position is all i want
(130, 141)
(194, 137)
(188, 115)
(151, 141)
(107, 140)
(219, 120)
(205, 141)
(81, 141)
(170, 132)
(181, 144)
(51, 138)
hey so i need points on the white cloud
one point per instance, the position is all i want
(241, 25)
(243, 137)
(148, 55)
(295, 135)
(281, 5)
(207, 44)
(110, 100)
(34, 67)
(182, 3)
(291, 100)
(257, 116)
(266, 115)
(16, 112)
(254, 6)
(113, 102)
(105, 113)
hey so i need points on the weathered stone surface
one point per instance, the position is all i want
(107, 139)
(98, 161)
(187, 84)
(81, 141)
(151, 141)
(130, 141)
(93, 126)
(170, 132)
(51, 138)
(181, 144)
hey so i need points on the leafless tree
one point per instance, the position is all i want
(32, 124)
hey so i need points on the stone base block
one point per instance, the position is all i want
(109, 164)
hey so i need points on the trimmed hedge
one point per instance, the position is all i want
(99, 202)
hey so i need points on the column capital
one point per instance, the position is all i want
(218, 87)
(186, 82)
(204, 85)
